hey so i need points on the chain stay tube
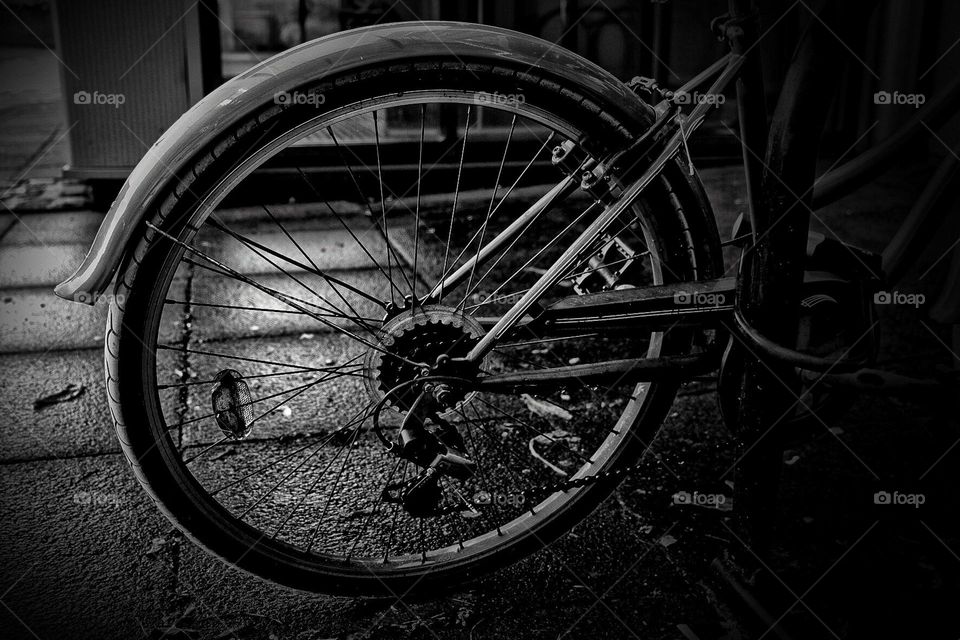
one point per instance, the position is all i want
(629, 370)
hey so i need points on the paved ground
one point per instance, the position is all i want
(85, 554)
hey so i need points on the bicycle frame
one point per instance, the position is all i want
(593, 231)
(649, 308)
(656, 308)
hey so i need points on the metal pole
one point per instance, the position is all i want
(756, 390)
(780, 214)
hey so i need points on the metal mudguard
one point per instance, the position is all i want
(312, 61)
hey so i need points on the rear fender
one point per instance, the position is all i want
(313, 61)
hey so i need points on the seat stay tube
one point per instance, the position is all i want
(573, 253)
(731, 66)
(564, 188)
(728, 66)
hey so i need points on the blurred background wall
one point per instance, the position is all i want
(165, 55)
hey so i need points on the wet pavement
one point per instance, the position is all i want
(86, 554)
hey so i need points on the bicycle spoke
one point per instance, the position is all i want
(256, 247)
(317, 269)
(383, 203)
(480, 463)
(278, 484)
(207, 416)
(444, 483)
(531, 260)
(376, 507)
(350, 231)
(446, 273)
(493, 196)
(209, 448)
(284, 479)
(355, 419)
(383, 230)
(263, 468)
(416, 221)
(456, 196)
(396, 512)
(276, 294)
(304, 387)
(193, 383)
(299, 367)
(514, 477)
(336, 483)
(235, 307)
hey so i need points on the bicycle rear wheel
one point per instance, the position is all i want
(318, 316)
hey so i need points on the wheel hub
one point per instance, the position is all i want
(419, 335)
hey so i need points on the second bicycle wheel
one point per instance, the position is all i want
(248, 347)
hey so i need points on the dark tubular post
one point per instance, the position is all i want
(756, 473)
(771, 278)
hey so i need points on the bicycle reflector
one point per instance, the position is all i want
(232, 404)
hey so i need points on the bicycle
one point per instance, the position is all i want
(445, 446)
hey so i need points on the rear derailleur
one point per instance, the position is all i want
(437, 449)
